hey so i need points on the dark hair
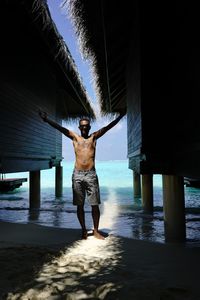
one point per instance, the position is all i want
(84, 119)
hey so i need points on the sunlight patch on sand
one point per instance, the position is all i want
(82, 271)
(87, 269)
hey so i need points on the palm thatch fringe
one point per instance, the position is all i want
(40, 15)
(76, 11)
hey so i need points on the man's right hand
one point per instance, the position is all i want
(43, 115)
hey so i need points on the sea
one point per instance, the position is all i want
(121, 214)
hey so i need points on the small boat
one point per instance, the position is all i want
(9, 184)
(192, 182)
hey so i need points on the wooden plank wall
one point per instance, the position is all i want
(134, 118)
(23, 135)
(28, 84)
(170, 88)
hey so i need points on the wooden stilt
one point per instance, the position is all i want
(136, 185)
(147, 192)
(174, 208)
(59, 181)
(34, 190)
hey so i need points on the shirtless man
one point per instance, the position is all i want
(84, 178)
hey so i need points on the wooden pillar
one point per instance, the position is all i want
(174, 208)
(59, 181)
(34, 189)
(136, 185)
(147, 192)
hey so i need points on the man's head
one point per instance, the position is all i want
(84, 126)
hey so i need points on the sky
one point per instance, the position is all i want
(113, 145)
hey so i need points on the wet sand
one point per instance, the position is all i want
(39, 262)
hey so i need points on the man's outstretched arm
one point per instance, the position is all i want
(97, 134)
(65, 131)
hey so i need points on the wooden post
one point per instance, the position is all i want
(59, 181)
(136, 185)
(147, 192)
(174, 208)
(34, 190)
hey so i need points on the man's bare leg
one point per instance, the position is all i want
(81, 218)
(96, 217)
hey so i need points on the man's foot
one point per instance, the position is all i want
(84, 235)
(98, 235)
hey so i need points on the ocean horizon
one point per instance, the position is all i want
(121, 214)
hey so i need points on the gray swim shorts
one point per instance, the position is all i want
(85, 183)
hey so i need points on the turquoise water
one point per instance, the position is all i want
(120, 213)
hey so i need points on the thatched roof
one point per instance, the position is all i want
(104, 29)
(65, 69)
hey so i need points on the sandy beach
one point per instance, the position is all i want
(39, 262)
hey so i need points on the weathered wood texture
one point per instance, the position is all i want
(28, 84)
(134, 112)
(170, 91)
(24, 136)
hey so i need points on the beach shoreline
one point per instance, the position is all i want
(40, 262)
